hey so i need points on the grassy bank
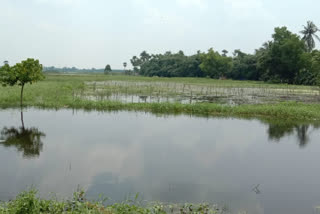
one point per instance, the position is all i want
(29, 203)
(62, 91)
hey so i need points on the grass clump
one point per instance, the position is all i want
(28, 202)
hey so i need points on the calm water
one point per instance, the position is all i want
(169, 159)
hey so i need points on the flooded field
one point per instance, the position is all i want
(248, 166)
(157, 92)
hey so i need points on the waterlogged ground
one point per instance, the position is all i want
(150, 92)
(248, 166)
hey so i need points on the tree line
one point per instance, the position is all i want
(287, 58)
(105, 70)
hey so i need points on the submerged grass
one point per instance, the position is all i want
(28, 202)
(59, 91)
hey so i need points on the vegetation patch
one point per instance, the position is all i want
(28, 202)
(62, 91)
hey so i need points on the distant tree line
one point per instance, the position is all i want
(287, 58)
(105, 70)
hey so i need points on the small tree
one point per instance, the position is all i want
(107, 69)
(27, 71)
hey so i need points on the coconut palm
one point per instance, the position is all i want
(309, 32)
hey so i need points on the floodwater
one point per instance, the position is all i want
(159, 92)
(248, 165)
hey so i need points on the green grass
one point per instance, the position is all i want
(59, 91)
(28, 202)
(187, 80)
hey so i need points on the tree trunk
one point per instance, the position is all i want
(22, 119)
(21, 96)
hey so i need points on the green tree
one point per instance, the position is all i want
(224, 52)
(144, 56)
(215, 65)
(138, 62)
(169, 65)
(28, 71)
(309, 33)
(107, 69)
(314, 68)
(280, 59)
(244, 67)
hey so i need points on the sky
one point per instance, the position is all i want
(93, 33)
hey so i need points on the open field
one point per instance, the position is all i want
(196, 96)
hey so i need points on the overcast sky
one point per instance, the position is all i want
(93, 33)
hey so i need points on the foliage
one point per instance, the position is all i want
(244, 67)
(107, 69)
(28, 202)
(7, 77)
(167, 65)
(309, 32)
(315, 67)
(215, 65)
(138, 62)
(281, 58)
(28, 71)
(285, 59)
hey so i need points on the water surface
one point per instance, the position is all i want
(165, 158)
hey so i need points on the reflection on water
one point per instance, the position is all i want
(302, 132)
(170, 159)
(25, 140)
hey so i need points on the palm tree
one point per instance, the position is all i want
(309, 32)
(224, 52)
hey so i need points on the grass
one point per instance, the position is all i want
(28, 202)
(64, 91)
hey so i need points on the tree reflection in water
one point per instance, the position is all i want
(276, 131)
(26, 140)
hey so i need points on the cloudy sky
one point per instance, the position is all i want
(93, 33)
